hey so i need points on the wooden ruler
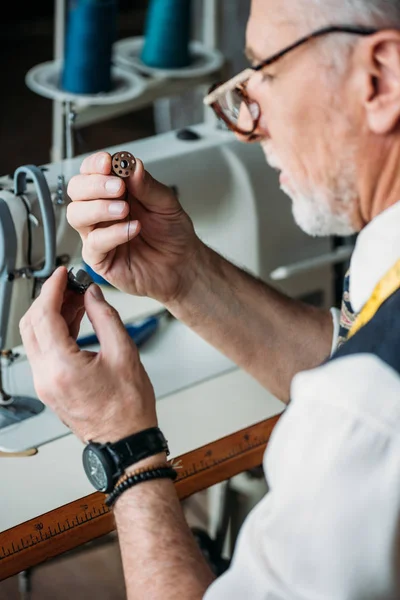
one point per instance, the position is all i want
(81, 521)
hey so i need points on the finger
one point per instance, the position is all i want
(99, 162)
(85, 215)
(28, 337)
(53, 290)
(93, 187)
(72, 305)
(107, 324)
(101, 240)
(49, 326)
(76, 323)
(154, 195)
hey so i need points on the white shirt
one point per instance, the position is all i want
(329, 527)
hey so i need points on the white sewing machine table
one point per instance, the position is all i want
(221, 400)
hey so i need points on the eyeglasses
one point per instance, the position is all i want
(231, 102)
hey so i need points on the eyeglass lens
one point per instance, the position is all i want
(240, 112)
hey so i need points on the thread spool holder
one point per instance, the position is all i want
(135, 87)
(44, 79)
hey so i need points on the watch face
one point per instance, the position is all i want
(95, 470)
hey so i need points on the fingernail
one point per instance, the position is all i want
(96, 292)
(113, 185)
(116, 208)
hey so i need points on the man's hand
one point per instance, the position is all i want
(101, 396)
(162, 242)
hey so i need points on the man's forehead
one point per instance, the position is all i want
(271, 25)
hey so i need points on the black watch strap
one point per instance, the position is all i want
(138, 446)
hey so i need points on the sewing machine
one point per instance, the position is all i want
(237, 208)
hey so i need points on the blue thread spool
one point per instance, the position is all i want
(90, 33)
(167, 34)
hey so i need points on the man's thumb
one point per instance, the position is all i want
(153, 194)
(107, 323)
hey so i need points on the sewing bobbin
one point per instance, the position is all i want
(123, 164)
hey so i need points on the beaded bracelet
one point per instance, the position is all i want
(157, 473)
(125, 476)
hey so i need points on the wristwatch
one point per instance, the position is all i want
(105, 463)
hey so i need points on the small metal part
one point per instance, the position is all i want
(34, 220)
(5, 360)
(59, 198)
(80, 282)
(25, 273)
(25, 584)
(123, 164)
(5, 398)
(63, 259)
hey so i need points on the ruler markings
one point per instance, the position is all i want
(233, 453)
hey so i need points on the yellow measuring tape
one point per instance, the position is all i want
(389, 283)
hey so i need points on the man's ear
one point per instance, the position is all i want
(382, 101)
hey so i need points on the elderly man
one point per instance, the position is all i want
(326, 110)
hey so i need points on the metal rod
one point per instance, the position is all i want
(69, 131)
(58, 141)
(331, 258)
(5, 399)
(25, 584)
(210, 36)
(211, 24)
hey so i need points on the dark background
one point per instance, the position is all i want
(27, 39)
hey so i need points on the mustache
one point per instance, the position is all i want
(271, 157)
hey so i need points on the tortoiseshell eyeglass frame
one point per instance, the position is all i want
(239, 82)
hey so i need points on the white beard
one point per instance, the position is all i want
(327, 211)
(315, 216)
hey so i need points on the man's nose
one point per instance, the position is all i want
(245, 122)
(252, 114)
(249, 114)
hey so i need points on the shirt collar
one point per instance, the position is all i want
(376, 251)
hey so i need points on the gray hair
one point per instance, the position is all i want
(369, 13)
(378, 13)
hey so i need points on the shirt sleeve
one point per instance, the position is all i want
(329, 526)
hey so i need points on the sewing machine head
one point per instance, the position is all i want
(34, 238)
(232, 196)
